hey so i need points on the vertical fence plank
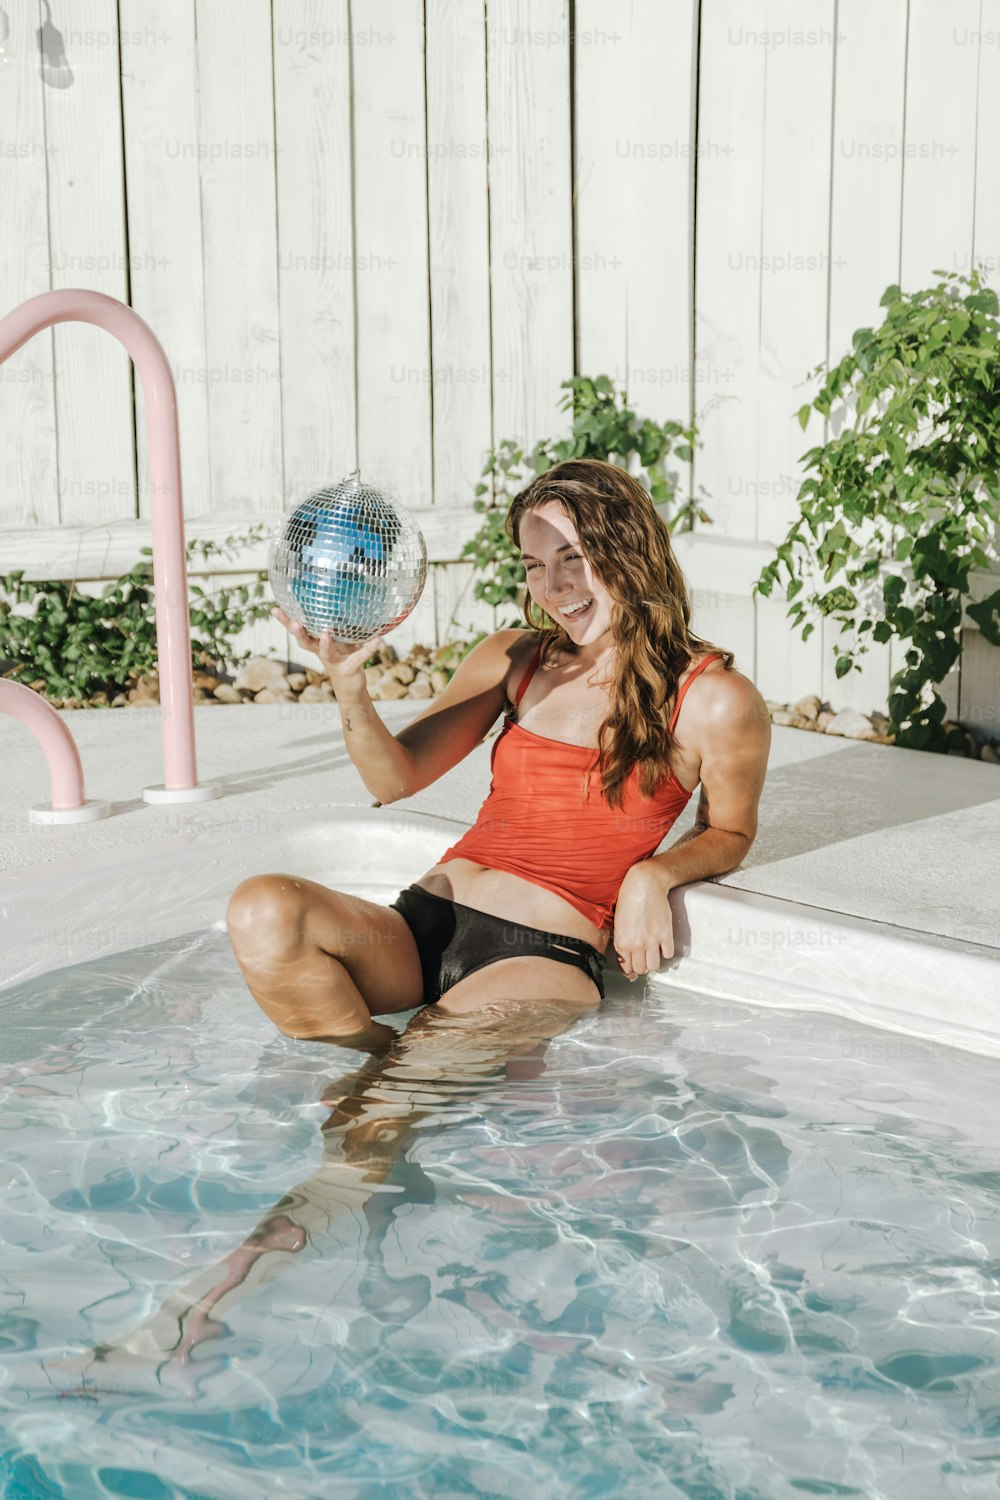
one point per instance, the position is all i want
(236, 152)
(160, 104)
(531, 239)
(864, 245)
(395, 408)
(730, 166)
(312, 70)
(96, 478)
(794, 278)
(730, 151)
(634, 124)
(27, 395)
(939, 169)
(394, 402)
(458, 225)
(458, 615)
(980, 688)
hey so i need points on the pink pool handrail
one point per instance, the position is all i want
(65, 768)
(173, 632)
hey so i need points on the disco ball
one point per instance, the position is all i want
(347, 560)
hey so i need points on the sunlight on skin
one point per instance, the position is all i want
(437, 1058)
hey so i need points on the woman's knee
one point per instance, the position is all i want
(266, 908)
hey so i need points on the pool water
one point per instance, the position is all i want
(685, 1248)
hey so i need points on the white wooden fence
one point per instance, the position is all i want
(384, 231)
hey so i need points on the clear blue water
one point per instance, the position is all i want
(684, 1249)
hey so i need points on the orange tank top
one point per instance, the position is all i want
(536, 824)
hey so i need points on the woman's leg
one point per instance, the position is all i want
(321, 963)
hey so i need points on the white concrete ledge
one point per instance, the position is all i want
(732, 944)
(738, 945)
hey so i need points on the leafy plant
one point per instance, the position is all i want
(903, 502)
(73, 645)
(605, 427)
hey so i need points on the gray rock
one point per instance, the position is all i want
(852, 725)
(260, 672)
(789, 720)
(808, 707)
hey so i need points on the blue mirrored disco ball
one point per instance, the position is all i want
(347, 560)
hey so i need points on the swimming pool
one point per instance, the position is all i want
(685, 1247)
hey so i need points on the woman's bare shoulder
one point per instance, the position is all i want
(515, 648)
(721, 693)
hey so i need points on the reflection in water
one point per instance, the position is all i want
(674, 1247)
(438, 1059)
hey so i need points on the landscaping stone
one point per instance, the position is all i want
(852, 725)
(145, 692)
(296, 681)
(990, 753)
(226, 693)
(790, 720)
(313, 693)
(808, 707)
(274, 695)
(260, 672)
(387, 689)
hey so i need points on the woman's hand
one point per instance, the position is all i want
(344, 661)
(644, 931)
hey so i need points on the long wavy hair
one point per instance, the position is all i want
(627, 544)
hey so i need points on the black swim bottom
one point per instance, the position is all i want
(454, 940)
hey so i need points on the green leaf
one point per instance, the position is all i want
(804, 413)
(986, 614)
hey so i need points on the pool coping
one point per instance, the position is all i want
(729, 943)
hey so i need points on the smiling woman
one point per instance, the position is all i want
(615, 712)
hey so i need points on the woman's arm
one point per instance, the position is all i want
(731, 728)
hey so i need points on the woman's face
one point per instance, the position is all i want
(558, 575)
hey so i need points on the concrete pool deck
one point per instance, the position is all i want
(897, 850)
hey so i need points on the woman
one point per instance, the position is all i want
(616, 711)
(503, 937)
